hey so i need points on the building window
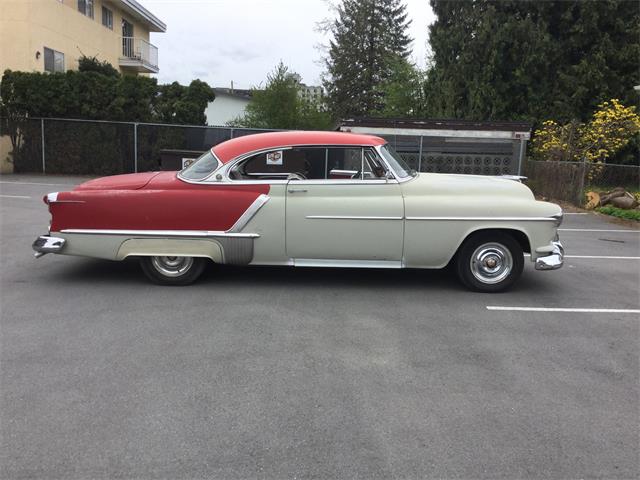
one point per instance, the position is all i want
(107, 18)
(53, 60)
(86, 7)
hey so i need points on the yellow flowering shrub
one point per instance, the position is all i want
(611, 128)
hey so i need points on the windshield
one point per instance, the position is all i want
(201, 168)
(397, 164)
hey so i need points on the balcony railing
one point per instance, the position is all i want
(139, 54)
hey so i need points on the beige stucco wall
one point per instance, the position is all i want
(6, 165)
(27, 26)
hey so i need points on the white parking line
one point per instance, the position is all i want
(596, 230)
(602, 257)
(568, 310)
(38, 183)
(14, 196)
(596, 257)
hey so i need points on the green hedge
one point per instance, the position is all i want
(95, 92)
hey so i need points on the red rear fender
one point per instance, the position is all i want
(178, 206)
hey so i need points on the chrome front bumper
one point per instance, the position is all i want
(45, 244)
(553, 260)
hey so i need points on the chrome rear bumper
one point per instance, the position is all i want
(45, 244)
(553, 260)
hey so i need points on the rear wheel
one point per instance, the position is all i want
(172, 270)
(490, 261)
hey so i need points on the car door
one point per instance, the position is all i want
(351, 213)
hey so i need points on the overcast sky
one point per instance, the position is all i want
(242, 40)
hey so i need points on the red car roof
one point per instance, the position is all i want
(230, 149)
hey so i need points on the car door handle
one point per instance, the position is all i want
(297, 190)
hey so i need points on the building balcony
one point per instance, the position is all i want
(138, 55)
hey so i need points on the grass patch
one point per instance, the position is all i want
(620, 213)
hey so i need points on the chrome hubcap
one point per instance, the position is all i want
(491, 263)
(172, 266)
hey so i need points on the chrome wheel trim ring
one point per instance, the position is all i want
(491, 263)
(172, 266)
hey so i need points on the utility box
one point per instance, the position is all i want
(177, 159)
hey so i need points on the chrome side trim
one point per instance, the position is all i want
(318, 262)
(487, 219)
(517, 178)
(348, 217)
(249, 213)
(346, 181)
(53, 198)
(558, 217)
(162, 233)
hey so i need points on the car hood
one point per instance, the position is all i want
(131, 181)
(471, 185)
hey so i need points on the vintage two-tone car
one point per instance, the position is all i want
(307, 199)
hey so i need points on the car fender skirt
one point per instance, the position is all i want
(229, 250)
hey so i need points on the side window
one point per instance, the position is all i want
(311, 163)
(53, 60)
(354, 164)
(303, 163)
(107, 18)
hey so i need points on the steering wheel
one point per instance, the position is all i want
(296, 176)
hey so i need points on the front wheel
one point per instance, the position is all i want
(490, 262)
(172, 270)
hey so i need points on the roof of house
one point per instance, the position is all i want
(435, 124)
(227, 151)
(143, 15)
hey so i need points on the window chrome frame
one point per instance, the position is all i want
(203, 179)
(400, 179)
(220, 175)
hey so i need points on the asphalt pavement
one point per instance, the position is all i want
(260, 372)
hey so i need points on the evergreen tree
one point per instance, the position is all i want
(403, 92)
(510, 59)
(368, 38)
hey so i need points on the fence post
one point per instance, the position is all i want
(135, 147)
(420, 155)
(44, 167)
(583, 173)
(231, 136)
(520, 156)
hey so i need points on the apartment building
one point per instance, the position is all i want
(51, 35)
(311, 93)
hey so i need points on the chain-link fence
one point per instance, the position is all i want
(92, 147)
(569, 181)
